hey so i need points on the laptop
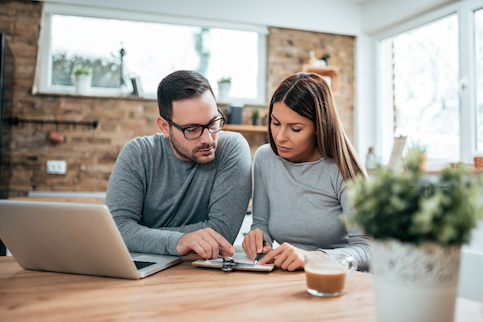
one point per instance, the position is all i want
(72, 238)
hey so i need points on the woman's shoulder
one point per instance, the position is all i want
(330, 166)
(263, 153)
(264, 149)
(328, 162)
(332, 172)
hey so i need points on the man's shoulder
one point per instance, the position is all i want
(230, 136)
(148, 141)
(232, 140)
(232, 147)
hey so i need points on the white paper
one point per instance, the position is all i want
(240, 258)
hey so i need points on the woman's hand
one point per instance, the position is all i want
(253, 244)
(286, 257)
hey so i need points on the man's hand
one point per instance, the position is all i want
(205, 242)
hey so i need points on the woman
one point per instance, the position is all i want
(299, 192)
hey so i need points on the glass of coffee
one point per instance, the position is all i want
(326, 274)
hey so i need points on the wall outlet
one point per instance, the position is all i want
(56, 166)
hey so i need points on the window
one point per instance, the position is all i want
(121, 47)
(479, 76)
(425, 88)
(427, 84)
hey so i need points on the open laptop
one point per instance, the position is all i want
(72, 238)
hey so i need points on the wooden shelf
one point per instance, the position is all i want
(328, 71)
(245, 128)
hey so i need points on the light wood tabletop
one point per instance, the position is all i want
(184, 293)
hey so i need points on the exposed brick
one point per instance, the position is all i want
(289, 49)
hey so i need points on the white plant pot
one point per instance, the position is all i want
(415, 283)
(224, 92)
(82, 84)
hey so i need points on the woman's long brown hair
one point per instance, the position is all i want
(309, 95)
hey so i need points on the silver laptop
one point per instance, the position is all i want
(72, 238)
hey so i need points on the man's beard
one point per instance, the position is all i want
(192, 155)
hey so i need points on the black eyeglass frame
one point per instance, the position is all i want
(203, 127)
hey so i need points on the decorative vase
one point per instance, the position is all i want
(82, 84)
(415, 282)
(224, 92)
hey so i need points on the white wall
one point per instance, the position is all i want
(365, 118)
(339, 17)
(380, 14)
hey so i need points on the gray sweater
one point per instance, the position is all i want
(302, 204)
(155, 198)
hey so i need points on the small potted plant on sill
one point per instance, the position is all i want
(418, 224)
(82, 77)
(421, 149)
(224, 86)
(255, 115)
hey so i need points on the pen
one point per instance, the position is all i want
(259, 256)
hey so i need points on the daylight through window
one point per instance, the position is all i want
(425, 71)
(118, 50)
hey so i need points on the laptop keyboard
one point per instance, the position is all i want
(140, 264)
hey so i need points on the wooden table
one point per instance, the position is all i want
(185, 293)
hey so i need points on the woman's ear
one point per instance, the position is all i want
(163, 126)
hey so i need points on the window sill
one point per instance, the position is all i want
(127, 97)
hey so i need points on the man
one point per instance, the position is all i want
(187, 188)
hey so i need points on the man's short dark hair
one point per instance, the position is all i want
(180, 85)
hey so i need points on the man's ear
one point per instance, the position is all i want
(163, 126)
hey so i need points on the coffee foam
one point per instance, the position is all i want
(326, 270)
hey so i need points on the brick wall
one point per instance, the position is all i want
(289, 49)
(90, 152)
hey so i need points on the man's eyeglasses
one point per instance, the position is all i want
(195, 131)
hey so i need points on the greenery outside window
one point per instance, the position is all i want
(121, 46)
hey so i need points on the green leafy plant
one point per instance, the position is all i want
(224, 80)
(407, 205)
(418, 146)
(255, 114)
(81, 70)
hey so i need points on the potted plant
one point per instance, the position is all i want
(418, 224)
(82, 76)
(255, 115)
(421, 149)
(224, 86)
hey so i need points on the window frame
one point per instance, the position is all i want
(43, 73)
(466, 79)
